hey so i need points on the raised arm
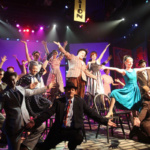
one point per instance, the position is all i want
(27, 51)
(61, 49)
(3, 59)
(45, 46)
(100, 57)
(122, 71)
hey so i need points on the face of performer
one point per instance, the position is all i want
(129, 62)
(70, 92)
(10, 69)
(54, 55)
(93, 57)
(11, 82)
(36, 56)
(107, 71)
(34, 70)
(1, 75)
(143, 65)
(81, 54)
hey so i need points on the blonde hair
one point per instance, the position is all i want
(126, 57)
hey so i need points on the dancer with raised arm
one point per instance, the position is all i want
(77, 69)
(96, 87)
(129, 96)
(55, 72)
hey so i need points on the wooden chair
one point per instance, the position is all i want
(102, 102)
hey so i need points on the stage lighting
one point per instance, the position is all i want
(124, 37)
(123, 19)
(66, 7)
(41, 28)
(81, 26)
(24, 30)
(136, 25)
(19, 30)
(67, 26)
(27, 30)
(17, 25)
(27, 40)
(17, 39)
(7, 39)
(37, 41)
(32, 31)
(54, 25)
(146, 1)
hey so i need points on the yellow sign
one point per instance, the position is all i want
(79, 10)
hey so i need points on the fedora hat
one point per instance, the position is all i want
(141, 61)
(70, 85)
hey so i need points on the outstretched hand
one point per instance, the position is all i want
(31, 124)
(4, 58)
(44, 42)
(57, 43)
(33, 85)
(103, 67)
(24, 42)
(112, 124)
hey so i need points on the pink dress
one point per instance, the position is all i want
(55, 73)
(107, 80)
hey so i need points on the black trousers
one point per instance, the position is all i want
(73, 136)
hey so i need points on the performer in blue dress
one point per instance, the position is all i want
(129, 97)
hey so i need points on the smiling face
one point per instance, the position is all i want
(55, 55)
(93, 57)
(36, 56)
(81, 55)
(70, 92)
(11, 82)
(34, 70)
(143, 65)
(129, 63)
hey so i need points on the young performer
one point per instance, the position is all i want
(77, 69)
(129, 96)
(93, 86)
(55, 72)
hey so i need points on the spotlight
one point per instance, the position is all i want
(146, 1)
(66, 7)
(87, 20)
(24, 30)
(124, 37)
(17, 39)
(41, 28)
(67, 26)
(7, 39)
(27, 30)
(19, 30)
(123, 19)
(136, 25)
(32, 31)
(17, 25)
(27, 40)
(37, 41)
(54, 25)
(81, 26)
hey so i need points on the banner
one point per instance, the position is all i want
(79, 10)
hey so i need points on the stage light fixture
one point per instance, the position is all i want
(41, 28)
(54, 25)
(37, 41)
(67, 26)
(24, 30)
(27, 30)
(66, 7)
(32, 31)
(124, 37)
(17, 25)
(123, 19)
(7, 39)
(17, 39)
(136, 25)
(19, 30)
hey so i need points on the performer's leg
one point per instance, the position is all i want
(34, 136)
(112, 103)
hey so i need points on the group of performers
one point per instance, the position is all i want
(81, 75)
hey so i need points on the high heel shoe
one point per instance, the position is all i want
(110, 114)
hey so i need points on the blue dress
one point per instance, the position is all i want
(128, 97)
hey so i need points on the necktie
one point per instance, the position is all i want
(67, 112)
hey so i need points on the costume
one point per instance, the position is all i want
(73, 134)
(17, 115)
(129, 96)
(55, 71)
(107, 80)
(93, 86)
(143, 78)
(37, 103)
(77, 72)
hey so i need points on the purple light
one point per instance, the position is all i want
(17, 25)
(41, 28)
(19, 30)
(32, 31)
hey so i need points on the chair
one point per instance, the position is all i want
(102, 102)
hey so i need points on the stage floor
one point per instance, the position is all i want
(117, 142)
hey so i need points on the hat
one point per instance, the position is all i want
(8, 74)
(82, 49)
(141, 61)
(34, 52)
(70, 85)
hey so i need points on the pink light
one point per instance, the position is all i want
(27, 30)
(87, 20)
(41, 28)
(17, 25)
(24, 30)
(32, 31)
(81, 26)
(19, 30)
